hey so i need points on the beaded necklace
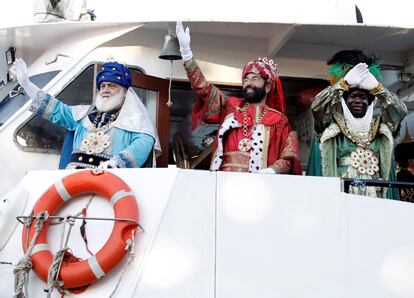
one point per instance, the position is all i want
(96, 141)
(246, 143)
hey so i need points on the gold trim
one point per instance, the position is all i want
(190, 65)
(257, 114)
(265, 147)
(375, 122)
(276, 111)
(376, 89)
(236, 153)
(289, 154)
(344, 84)
(235, 165)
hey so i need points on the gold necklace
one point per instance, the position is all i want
(246, 143)
(96, 141)
(99, 116)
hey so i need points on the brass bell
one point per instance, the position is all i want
(171, 49)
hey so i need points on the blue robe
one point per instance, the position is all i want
(129, 149)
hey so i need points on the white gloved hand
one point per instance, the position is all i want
(109, 164)
(357, 74)
(22, 76)
(267, 171)
(184, 40)
(369, 83)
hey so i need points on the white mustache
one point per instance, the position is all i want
(106, 102)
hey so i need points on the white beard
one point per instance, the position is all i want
(110, 103)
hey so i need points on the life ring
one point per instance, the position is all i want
(84, 272)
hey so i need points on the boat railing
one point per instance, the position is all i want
(356, 182)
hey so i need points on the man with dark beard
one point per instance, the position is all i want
(114, 132)
(355, 120)
(254, 134)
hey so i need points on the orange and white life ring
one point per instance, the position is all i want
(84, 272)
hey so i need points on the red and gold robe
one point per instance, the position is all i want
(279, 147)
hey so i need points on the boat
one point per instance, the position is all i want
(201, 234)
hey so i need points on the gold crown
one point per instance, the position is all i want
(270, 62)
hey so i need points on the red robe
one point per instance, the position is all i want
(280, 145)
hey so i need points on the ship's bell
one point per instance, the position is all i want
(171, 49)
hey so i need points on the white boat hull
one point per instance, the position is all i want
(217, 234)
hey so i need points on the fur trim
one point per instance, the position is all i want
(330, 132)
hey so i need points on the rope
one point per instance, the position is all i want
(169, 102)
(22, 269)
(52, 281)
(83, 225)
(131, 246)
(54, 269)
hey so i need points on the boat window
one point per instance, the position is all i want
(299, 93)
(10, 105)
(40, 135)
(194, 144)
(150, 99)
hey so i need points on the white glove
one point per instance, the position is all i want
(22, 76)
(267, 171)
(357, 74)
(369, 83)
(109, 164)
(184, 40)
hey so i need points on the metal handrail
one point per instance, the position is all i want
(63, 218)
(347, 182)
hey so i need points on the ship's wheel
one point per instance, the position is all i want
(180, 153)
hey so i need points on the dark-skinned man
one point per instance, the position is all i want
(355, 120)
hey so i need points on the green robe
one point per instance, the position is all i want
(334, 143)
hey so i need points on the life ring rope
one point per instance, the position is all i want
(84, 272)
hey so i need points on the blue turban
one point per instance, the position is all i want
(114, 72)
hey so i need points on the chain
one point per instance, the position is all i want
(246, 118)
(99, 116)
(245, 144)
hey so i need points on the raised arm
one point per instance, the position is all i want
(393, 110)
(210, 100)
(323, 106)
(43, 104)
(22, 75)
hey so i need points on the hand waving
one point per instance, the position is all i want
(184, 39)
(21, 73)
(22, 76)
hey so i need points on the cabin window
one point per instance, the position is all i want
(40, 135)
(150, 99)
(13, 97)
(188, 146)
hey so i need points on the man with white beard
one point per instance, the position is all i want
(114, 132)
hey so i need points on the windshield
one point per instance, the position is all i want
(10, 105)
